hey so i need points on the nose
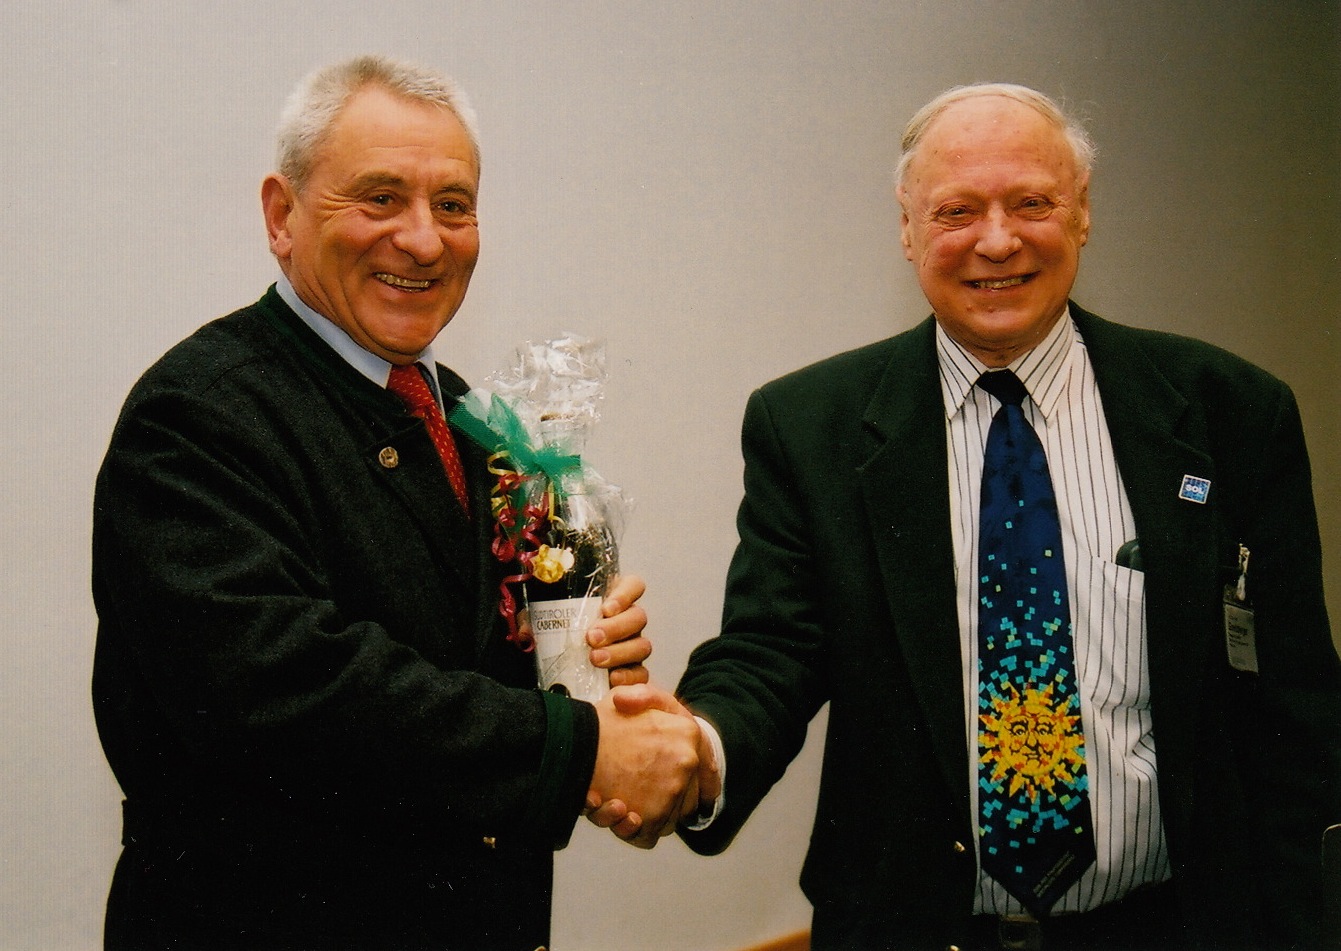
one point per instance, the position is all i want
(417, 234)
(997, 239)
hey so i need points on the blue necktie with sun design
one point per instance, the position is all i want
(1035, 834)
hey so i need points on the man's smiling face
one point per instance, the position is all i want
(995, 212)
(383, 237)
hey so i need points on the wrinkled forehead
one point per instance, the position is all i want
(981, 127)
(988, 134)
(376, 125)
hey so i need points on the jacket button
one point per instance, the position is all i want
(389, 458)
(489, 842)
(959, 848)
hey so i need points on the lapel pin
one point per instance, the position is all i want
(1195, 489)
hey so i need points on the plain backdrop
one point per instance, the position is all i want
(707, 187)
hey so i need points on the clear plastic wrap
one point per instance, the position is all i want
(556, 520)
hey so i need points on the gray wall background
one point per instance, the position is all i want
(707, 187)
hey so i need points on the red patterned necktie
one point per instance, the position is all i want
(409, 384)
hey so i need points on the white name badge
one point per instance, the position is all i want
(1240, 632)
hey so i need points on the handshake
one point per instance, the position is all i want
(654, 765)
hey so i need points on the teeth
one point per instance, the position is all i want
(395, 281)
(998, 285)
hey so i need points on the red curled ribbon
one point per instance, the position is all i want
(515, 540)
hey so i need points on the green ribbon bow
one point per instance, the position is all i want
(498, 429)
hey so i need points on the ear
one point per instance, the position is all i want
(905, 226)
(277, 201)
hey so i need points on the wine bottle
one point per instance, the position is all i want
(570, 575)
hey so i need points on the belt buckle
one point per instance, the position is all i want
(1019, 933)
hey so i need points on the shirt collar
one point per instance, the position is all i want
(1044, 370)
(369, 364)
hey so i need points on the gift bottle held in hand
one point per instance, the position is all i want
(570, 575)
(556, 521)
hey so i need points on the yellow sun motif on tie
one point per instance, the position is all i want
(1031, 739)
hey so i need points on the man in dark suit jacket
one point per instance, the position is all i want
(302, 680)
(852, 585)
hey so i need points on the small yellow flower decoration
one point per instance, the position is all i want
(551, 564)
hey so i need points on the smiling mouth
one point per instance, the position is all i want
(1001, 284)
(403, 283)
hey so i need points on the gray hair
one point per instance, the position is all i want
(1081, 144)
(319, 98)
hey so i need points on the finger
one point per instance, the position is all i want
(652, 834)
(709, 781)
(709, 776)
(640, 698)
(625, 591)
(628, 676)
(619, 627)
(646, 838)
(608, 815)
(627, 653)
(688, 807)
(628, 827)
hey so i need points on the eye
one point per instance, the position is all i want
(380, 203)
(455, 210)
(1035, 206)
(953, 215)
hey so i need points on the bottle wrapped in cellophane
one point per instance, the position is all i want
(557, 522)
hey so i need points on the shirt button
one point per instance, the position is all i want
(389, 458)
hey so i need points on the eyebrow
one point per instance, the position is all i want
(376, 180)
(373, 180)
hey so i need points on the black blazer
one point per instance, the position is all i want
(842, 590)
(301, 681)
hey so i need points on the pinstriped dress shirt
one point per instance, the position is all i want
(1107, 602)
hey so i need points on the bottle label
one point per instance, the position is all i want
(563, 658)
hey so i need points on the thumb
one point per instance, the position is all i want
(639, 698)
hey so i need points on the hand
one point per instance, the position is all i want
(618, 646)
(709, 772)
(648, 759)
(616, 639)
(613, 815)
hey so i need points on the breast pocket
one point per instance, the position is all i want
(1111, 640)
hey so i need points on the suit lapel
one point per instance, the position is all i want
(1158, 438)
(409, 466)
(906, 493)
(400, 456)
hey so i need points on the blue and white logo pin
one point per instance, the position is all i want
(1195, 489)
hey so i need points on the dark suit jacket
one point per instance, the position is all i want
(842, 590)
(301, 681)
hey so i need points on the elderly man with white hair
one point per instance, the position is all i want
(1058, 581)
